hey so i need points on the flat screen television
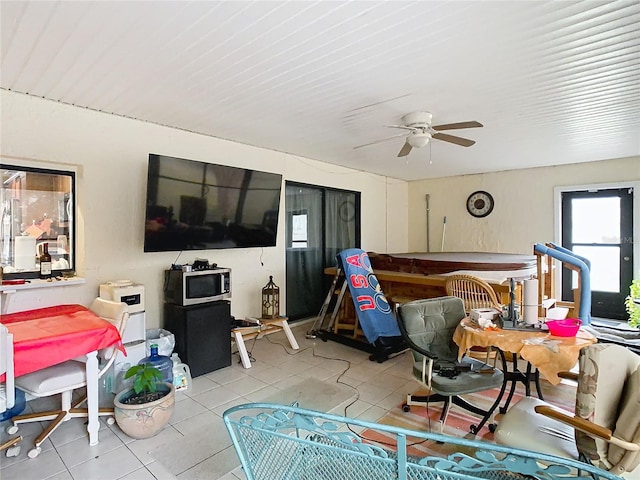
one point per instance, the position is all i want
(193, 205)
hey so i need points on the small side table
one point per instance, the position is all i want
(265, 327)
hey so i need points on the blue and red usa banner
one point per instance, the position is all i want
(375, 315)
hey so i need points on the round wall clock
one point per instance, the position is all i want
(480, 204)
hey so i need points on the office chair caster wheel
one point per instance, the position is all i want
(12, 429)
(13, 451)
(406, 408)
(111, 421)
(473, 429)
(34, 452)
(492, 427)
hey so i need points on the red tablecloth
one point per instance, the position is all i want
(48, 336)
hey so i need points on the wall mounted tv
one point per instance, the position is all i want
(194, 205)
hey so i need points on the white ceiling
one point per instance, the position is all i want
(552, 82)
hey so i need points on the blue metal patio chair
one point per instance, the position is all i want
(277, 442)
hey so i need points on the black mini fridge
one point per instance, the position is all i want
(203, 335)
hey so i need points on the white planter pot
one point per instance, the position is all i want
(146, 420)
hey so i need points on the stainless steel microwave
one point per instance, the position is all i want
(197, 286)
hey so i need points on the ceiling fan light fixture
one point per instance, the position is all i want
(417, 140)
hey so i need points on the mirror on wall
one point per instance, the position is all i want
(37, 207)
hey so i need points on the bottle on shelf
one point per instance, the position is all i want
(45, 262)
(161, 362)
(181, 373)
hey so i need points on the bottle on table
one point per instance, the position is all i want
(45, 262)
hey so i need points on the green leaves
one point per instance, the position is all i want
(146, 378)
(633, 309)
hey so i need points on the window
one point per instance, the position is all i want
(37, 207)
(299, 231)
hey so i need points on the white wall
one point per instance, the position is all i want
(397, 217)
(110, 154)
(524, 206)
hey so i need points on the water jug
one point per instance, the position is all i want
(105, 388)
(17, 408)
(121, 383)
(181, 373)
(161, 362)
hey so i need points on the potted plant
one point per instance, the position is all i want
(632, 302)
(144, 409)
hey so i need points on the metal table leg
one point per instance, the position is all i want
(526, 377)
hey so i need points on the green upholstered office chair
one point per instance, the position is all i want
(428, 326)
(605, 429)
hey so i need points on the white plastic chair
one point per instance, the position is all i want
(7, 390)
(67, 376)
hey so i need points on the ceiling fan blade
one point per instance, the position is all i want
(404, 151)
(463, 142)
(381, 141)
(454, 126)
(404, 127)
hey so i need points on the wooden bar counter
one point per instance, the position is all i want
(406, 277)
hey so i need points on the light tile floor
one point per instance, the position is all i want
(197, 419)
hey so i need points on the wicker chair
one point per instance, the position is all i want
(475, 293)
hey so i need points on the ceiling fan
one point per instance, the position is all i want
(420, 132)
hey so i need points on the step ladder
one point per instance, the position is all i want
(331, 304)
(327, 327)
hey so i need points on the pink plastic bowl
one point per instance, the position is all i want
(564, 328)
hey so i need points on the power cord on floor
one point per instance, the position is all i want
(314, 354)
(359, 435)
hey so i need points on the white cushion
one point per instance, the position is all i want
(51, 380)
(628, 423)
(515, 430)
(114, 313)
